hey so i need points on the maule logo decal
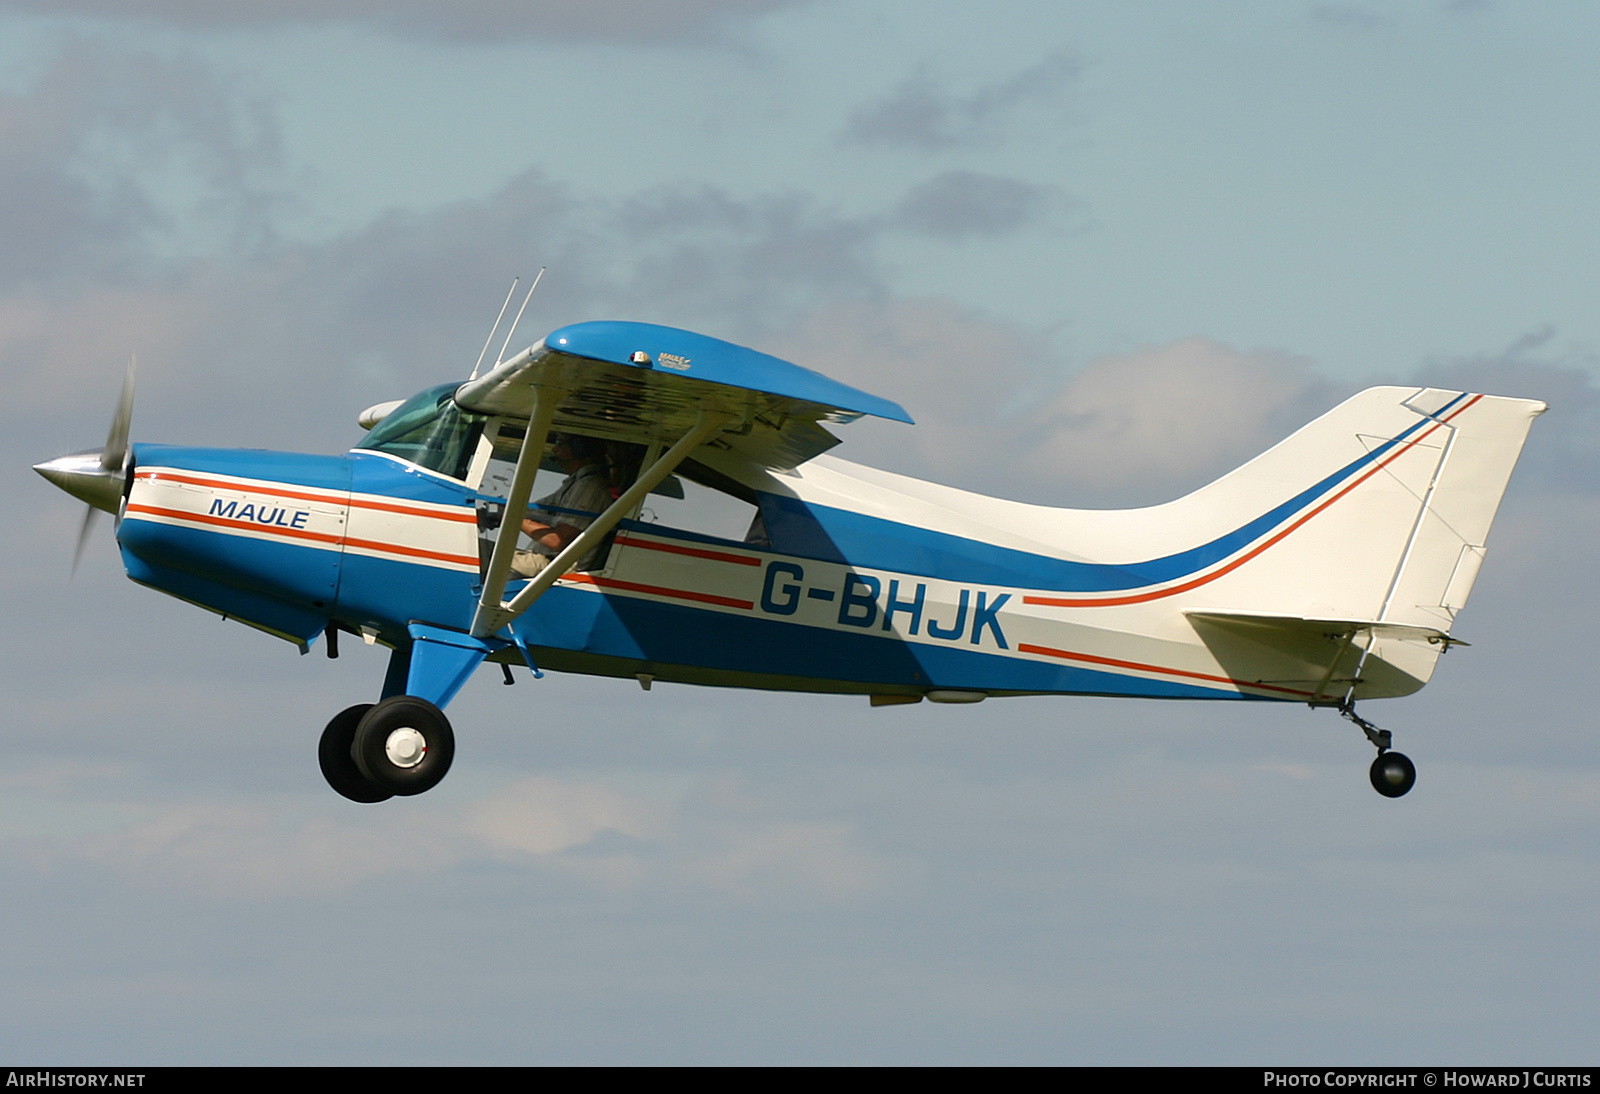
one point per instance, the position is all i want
(672, 360)
(260, 514)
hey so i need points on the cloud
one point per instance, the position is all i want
(544, 816)
(405, 301)
(951, 367)
(100, 176)
(958, 204)
(1563, 452)
(1347, 17)
(925, 115)
(1162, 420)
(402, 301)
(819, 859)
(586, 829)
(763, 261)
(471, 21)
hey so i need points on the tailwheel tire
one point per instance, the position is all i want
(1393, 774)
(339, 766)
(404, 745)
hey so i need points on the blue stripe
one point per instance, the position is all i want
(852, 539)
(641, 634)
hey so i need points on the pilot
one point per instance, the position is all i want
(586, 489)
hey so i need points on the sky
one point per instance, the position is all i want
(1101, 252)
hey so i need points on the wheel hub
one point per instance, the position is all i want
(405, 747)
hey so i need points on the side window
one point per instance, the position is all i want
(696, 499)
(575, 482)
(711, 504)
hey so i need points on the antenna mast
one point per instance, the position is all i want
(496, 327)
(518, 319)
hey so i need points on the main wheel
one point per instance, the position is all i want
(404, 744)
(1393, 774)
(339, 766)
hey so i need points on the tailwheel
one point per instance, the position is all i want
(339, 766)
(1393, 774)
(404, 745)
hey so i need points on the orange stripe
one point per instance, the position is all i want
(1138, 666)
(301, 533)
(1139, 598)
(697, 552)
(227, 522)
(414, 552)
(463, 517)
(657, 590)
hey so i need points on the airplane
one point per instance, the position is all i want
(1327, 570)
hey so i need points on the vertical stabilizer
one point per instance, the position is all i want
(1372, 564)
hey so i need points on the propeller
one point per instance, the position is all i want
(97, 476)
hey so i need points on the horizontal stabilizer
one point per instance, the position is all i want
(1336, 628)
(1325, 659)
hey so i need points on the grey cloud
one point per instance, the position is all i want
(1347, 17)
(951, 368)
(1150, 425)
(77, 196)
(924, 114)
(763, 261)
(477, 21)
(958, 204)
(406, 301)
(1563, 452)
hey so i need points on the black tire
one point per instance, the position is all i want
(339, 766)
(1393, 774)
(382, 740)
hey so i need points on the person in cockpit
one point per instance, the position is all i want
(563, 515)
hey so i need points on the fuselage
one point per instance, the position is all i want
(367, 542)
(851, 581)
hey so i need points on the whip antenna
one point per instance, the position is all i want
(494, 328)
(518, 319)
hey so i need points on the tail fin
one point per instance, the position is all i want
(1383, 549)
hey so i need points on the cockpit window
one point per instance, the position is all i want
(429, 430)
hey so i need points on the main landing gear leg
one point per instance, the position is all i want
(1392, 773)
(403, 744)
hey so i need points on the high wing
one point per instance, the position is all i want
(644, 383)
(668, 389)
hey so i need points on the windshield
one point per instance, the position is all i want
(429, 430)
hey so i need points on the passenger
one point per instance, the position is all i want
(586, 489)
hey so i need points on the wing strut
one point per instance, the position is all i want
(492, 614)
(545, 401)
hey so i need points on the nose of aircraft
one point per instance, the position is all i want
(86, 477)
(98, 475)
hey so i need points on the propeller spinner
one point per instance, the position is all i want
(97, 476)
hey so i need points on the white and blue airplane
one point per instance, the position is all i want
(1327, 570)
